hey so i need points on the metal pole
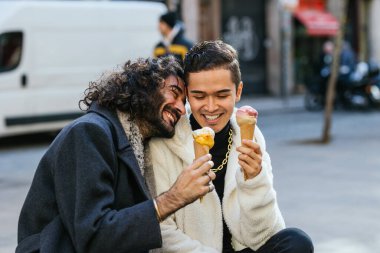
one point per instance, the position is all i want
(285, 53)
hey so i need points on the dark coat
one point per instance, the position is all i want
(179, 47)
(88, 194)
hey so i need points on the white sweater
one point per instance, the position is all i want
(249, 207)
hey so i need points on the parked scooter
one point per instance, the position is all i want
(358, 89)
(373, 85)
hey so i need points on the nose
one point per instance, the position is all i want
(211, 105)
(180, 107)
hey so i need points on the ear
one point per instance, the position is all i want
(239, 91)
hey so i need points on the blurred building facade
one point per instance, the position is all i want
(277, 40)
(278, 44)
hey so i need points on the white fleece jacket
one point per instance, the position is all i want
(249, 207)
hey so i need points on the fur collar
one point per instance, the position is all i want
(140, 150)
(134, 136)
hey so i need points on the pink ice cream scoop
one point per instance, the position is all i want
(246, 115)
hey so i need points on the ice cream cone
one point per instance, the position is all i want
(246, 118)
(200, 150)
(203, 142)
(247, 131)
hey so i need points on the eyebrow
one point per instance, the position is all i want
(176, 86)
(202, 92)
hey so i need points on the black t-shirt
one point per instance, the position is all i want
(218, 153)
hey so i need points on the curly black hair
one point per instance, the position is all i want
(134, 89)
(209, 55)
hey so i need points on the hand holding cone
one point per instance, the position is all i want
(246, 117)
(203, 142)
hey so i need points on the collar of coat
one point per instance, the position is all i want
(173, 33)
(134, 136)
(124, 146)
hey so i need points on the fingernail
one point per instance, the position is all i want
(211, 163)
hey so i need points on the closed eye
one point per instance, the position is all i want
(177, 91)
(223, 94)
(174, 91)
(197, 94)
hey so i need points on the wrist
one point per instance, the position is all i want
(167, 204)
(158, 213)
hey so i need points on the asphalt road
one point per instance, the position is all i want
(331, 191)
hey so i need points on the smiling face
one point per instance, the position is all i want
(162, 124)
(212, 96)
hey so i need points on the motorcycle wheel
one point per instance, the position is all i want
(374, 95)
(313, 102)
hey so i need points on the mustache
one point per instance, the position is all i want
(173, 111)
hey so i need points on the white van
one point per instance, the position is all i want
(50, 51)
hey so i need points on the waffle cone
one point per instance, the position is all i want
(247, 131)
(200, 150)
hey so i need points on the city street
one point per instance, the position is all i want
(331, 191)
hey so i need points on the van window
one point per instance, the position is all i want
(10, 50)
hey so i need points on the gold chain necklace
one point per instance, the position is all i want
(225, 160)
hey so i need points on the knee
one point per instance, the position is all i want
(299, 240)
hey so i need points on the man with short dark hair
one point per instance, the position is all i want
(242, 214)
(173, 40)
(90, 191)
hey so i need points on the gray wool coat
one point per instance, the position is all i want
(88, 193)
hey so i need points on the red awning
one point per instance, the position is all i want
(317, 22)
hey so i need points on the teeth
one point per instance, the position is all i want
(212, 117)
(170, 116)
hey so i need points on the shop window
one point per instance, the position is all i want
(10, 50)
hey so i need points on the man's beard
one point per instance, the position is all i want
(159, 127)
(153, 120)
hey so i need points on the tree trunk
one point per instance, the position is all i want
(331, 84)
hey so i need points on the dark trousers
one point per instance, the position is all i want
(289, 240)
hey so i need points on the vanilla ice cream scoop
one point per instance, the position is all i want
(204, 137)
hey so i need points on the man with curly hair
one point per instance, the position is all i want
(90, 191)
